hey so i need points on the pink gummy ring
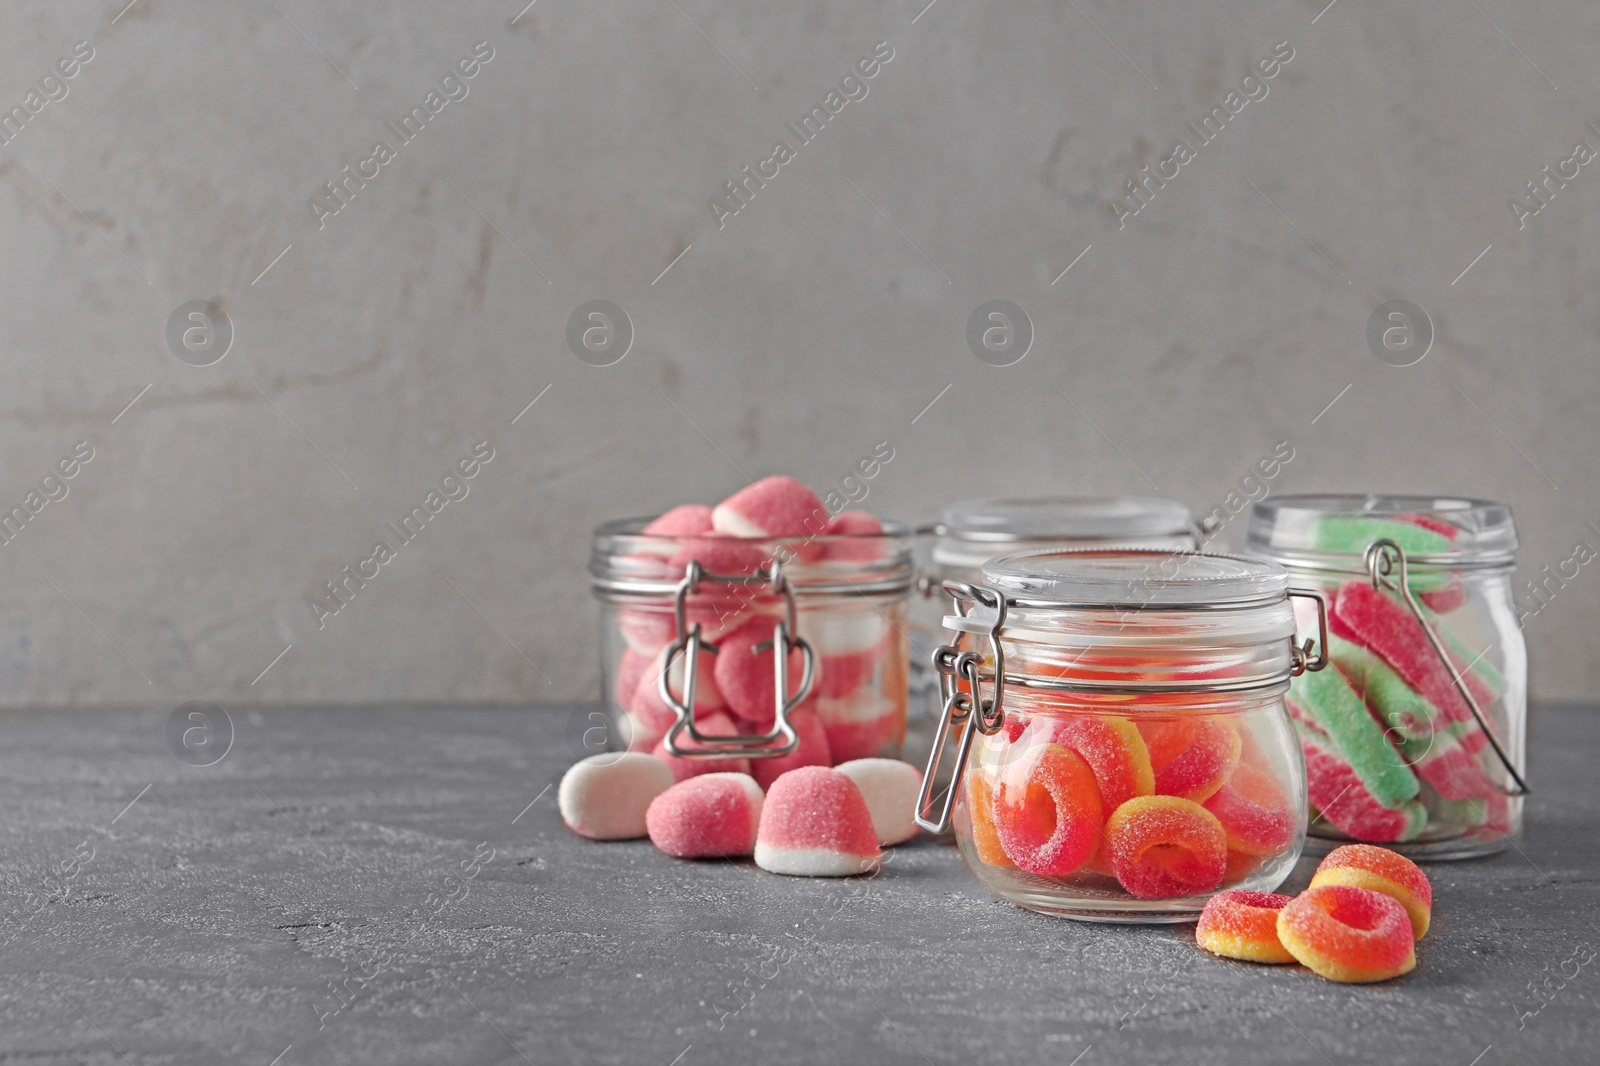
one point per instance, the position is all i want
(1243, 925)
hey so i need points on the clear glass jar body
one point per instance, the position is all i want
(1395, 754)
(849, 595)
(1145, 760)
(1250, 841)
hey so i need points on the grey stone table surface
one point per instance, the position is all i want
(394, 885)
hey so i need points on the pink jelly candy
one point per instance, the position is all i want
(715, 724)
(815, 823)
(709, 816)
(813, 749)
(606, 796)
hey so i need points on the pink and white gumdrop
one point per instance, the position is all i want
(890, 788)
(606, 796)
(705, 817)
(815, 823)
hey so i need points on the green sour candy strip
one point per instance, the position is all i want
(1400, 706)
(1334, 705)
(1352, 535)
(1341, 533)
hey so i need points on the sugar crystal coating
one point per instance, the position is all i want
(815, 823)
(1243, 925)
(1382, 870)
(1165, 847)
(1048, 811)
(1346, 934)
(605, 796)
(709, 816)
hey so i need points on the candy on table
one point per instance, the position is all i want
(1243, 925)
(1114, 750)
(1047, 811)
(710, 816)
(1381, 870)
(1375, 620)
(864, 550)
(744, 670)
(980, 808)
(1254, 811)
(815, 823)
(1339, 797)
(861, 724)
(1327, 698)
(813, 748)
(776, 506)
(1166, 846)
(714, 724)
(605, 796)
(1396, 703)
(1202, 765)
(1346, 934)
(890, 788)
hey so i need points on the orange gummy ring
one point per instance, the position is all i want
(1243, 925)
(1382, 870)
(1165, 847)
(1350, 935)
(1047, 811)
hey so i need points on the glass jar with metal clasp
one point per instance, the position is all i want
(1122, 750)
(715, 646)
(971, 532)
(1417, 740)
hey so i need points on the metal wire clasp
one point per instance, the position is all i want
(1301, 658)
(1386, 566)
(691, 645)
(967, 708)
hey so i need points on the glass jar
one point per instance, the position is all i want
(693, 621)
(1417, 740)
(1123, 751)
(972, 532)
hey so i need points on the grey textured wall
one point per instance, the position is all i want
(181, 160)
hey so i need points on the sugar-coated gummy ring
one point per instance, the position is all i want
(1165, 847)
(1047, 811)
(980, 808)
(1254, 812)
(1243, 925)
(1114, 750)
(1381, 870)
(1201, 767)
(1350, 935)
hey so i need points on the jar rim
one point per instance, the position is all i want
(1006, 519)
(1331, 531)
(625, 560)
(1135, 578)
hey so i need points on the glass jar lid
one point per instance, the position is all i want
(626, 561)
(1333, 532)
(973, 531)
(1135, 579)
